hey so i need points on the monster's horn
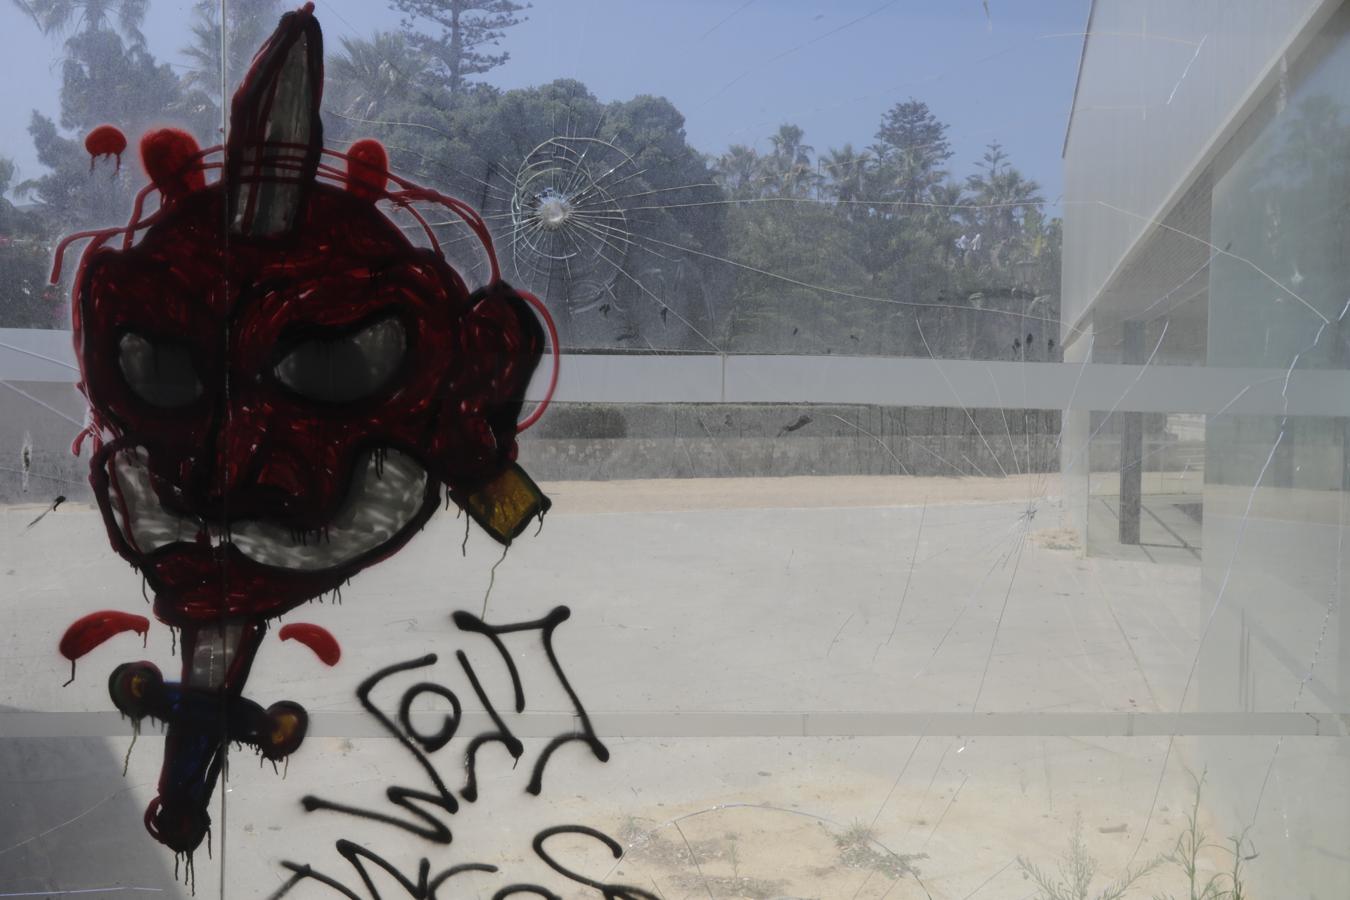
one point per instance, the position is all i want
(275, 139)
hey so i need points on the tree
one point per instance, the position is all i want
(740, 171)
(26, 300)
(912, 146)
(1041, 241)
(371, 78)
(246, 25)
(789, 166)
(849, 174)
(941, 217)
(1002, 197)
(629, 191)
(807, 244)
(912, 126)
(466, 29)
(879, 266)
(103, 80)
(107, 76)
(54, 17)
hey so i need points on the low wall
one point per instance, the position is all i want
(601, 442)
(583, 441)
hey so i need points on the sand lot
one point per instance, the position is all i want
(808, 687)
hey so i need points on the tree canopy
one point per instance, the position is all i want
(462, 31)
(635, 239)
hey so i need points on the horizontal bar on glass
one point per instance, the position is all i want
(31, 355)
(18, 724)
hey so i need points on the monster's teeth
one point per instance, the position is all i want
(387, 493)
(151, 526)
(383, 499)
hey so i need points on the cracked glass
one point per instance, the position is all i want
(732, 449)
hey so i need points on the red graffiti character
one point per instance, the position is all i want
(283, 389)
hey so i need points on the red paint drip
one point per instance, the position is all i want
(87, 633)
(318, 639)
(105, 140)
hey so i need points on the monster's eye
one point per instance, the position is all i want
(161, 374)
(347, 367)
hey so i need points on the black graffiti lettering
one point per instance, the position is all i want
(546, 626)
(354, 853)
(302, 872)
(426, 809)
(436, 882)
(469, 622)
(512, 889)
(585, 736)
(430, 743)
(433, 829)
(608, 891)
(502, 735)
(424, 888)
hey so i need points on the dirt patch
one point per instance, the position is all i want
(763, 858)
(1057, 539)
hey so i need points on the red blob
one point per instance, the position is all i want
(318, 639)
(87, 633)
(105, 140)
(367, 169)
(172, 159)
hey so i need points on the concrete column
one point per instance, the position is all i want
(1074, 456)
(1131, 443)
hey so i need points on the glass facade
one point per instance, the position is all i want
(1275, 484)
(936, 496)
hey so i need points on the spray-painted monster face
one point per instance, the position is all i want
(281, 416)
(284, 382)
(281, 387)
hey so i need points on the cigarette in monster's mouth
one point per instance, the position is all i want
(387, 492)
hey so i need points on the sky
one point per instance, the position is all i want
(992, 69)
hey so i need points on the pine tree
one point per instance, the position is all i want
(26, 300)
(467, 29)
(912, 126)
(107, 76)
(912, 147)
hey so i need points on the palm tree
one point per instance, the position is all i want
(741, 172)
(848, 175)
(247, 24)
(62, 16)
(942, 216)
(369, 76)
(790, 163)
(911, 174)
(912, 147)
(1002, 196)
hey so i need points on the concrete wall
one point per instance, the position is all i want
(600, 441)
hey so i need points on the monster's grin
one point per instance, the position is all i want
(388, 491)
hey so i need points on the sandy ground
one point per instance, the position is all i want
(713, 622)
